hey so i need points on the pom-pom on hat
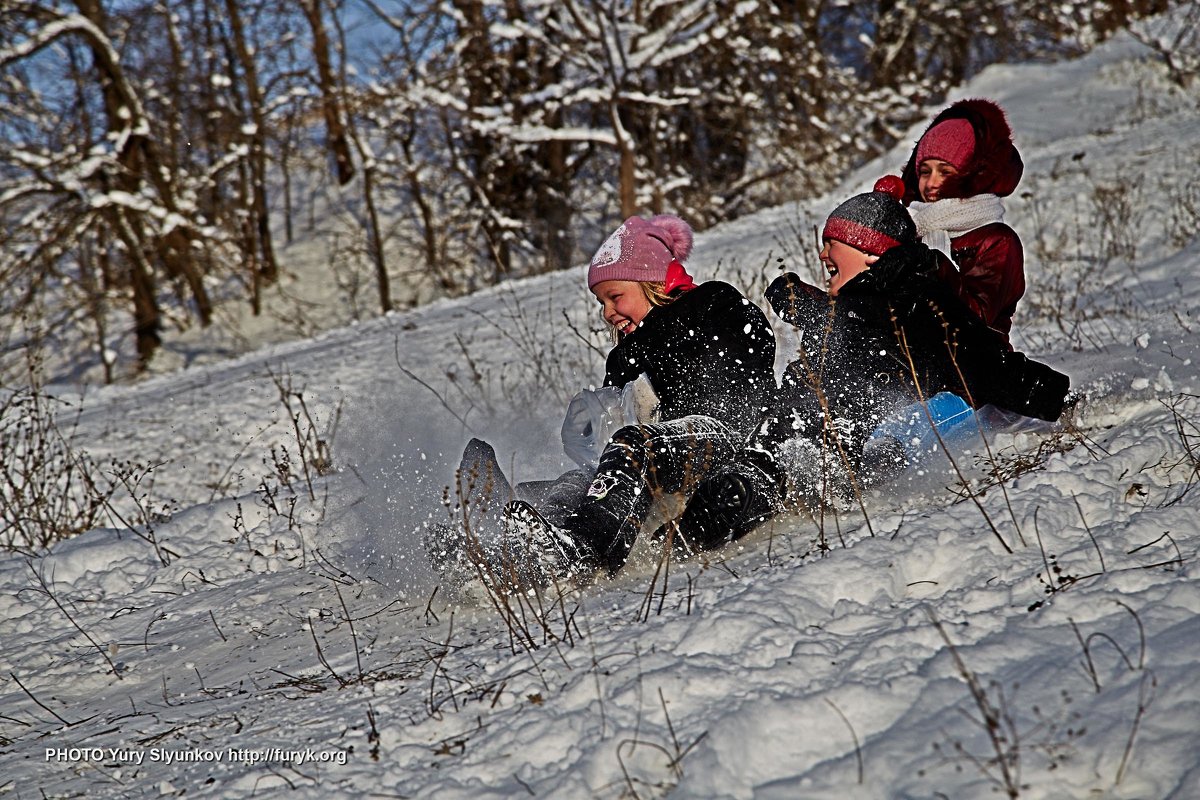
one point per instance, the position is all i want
(952, 141)
(642, 250)
(873, 222)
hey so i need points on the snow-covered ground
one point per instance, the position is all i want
(276, 643)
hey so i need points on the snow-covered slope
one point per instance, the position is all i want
(295, 643)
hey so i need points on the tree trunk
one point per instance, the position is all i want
(147, 317)
(337, 141)
(93, 290)
(375, 241)
(259, 212)
(627, 171)
(429, 222)
(893, 55)
(141, 161)
(556, 211)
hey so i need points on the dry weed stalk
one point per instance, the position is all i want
(441, 398)
(51, 490)
(996, 721)
(952, 351)
(43, 587)
(315, 449)
(523, 609)
(675, 754)
(1054, 579)
(694, 474)
(858, 757)
(1184, 414)
(43, 706)
(1147, 683)
(1078, 291)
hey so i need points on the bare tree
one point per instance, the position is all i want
(337, 140)
(257, 227)
(487, 134)
(366, 154)
(124, 186)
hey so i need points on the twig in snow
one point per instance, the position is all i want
(1004, 743)
(54, 599)
(215, 625)
(1087, 528)
(42, 705)
(353, 633)
(1166, 535)
(435, 392)
(857, 749)
(1145, 698)
(312, 628)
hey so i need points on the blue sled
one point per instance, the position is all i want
(955, 421)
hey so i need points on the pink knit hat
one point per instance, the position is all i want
(642, 250)
(952, 141)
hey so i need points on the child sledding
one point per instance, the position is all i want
(703, 353)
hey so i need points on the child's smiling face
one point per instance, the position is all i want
(624, 304)
(843, 263)
(932, 175)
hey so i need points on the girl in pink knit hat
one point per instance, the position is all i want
(689, 377)
(955, 179)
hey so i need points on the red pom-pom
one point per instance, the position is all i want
(890, 184)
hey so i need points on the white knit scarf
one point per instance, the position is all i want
(937, 222)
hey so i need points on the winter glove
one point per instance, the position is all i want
(639, 402)
(797, 302)
(1032, 388)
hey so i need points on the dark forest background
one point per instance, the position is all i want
(156, 155)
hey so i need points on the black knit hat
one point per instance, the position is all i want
(873, 222)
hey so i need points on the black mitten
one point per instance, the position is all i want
(796, 302)
(1032, 388)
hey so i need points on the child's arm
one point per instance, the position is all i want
(893, 271)
(942, 325)
(795, 301)
(993, 277)
(621, 366)
(894, 286)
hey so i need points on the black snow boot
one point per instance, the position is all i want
(730, 504)
(535, 552)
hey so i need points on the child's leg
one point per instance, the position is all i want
(733, 501)
(556, 499)
(640, 463)
(481, 483)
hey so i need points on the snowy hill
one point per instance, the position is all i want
(260, 639)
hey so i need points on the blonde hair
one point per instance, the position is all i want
(654, 294)
(653, 290)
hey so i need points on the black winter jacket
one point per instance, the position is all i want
(892, 321)
(710, 351)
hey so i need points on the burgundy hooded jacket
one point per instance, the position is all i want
(990, 276)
